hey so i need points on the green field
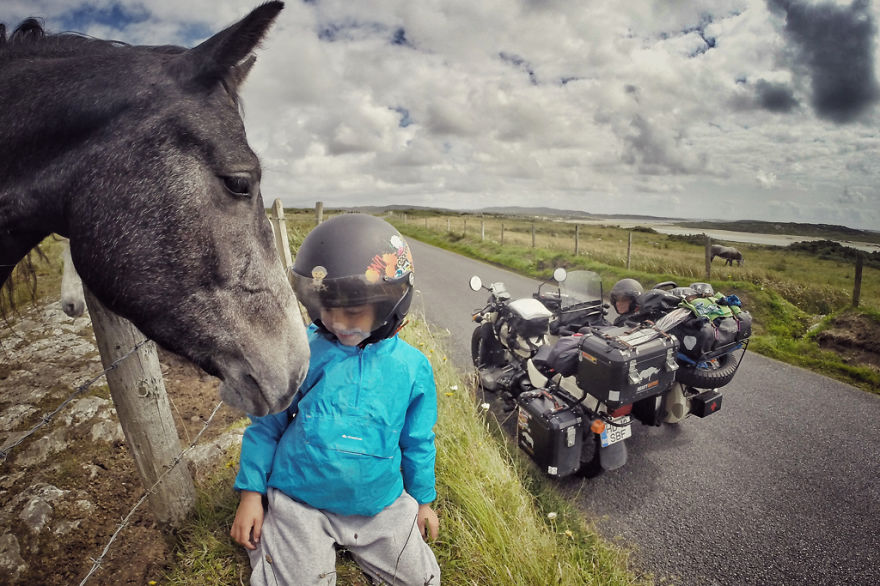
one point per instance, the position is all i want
(794, 293)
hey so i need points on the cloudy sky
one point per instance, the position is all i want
(739, 109)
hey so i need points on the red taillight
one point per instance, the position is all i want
(622, 410)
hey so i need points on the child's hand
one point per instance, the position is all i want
(428, 519)
(248, 517)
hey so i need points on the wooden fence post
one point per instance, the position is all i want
(629, 250)
(282, 244)
(502, 233)
(708, 258)
(482, 230)
(577, 239)
(857, 281)
(319, 212)
(464, 229)
(144, 412)
(533, 234)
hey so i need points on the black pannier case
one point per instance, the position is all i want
(621, 365)
(550, 432)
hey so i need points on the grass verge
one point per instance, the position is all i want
(782, 329)
(496, 526)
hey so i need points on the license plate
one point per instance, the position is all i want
(614, 434)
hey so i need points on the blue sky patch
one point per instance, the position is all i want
(116, 15)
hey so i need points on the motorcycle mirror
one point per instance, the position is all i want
(559, 274)
(476, 283)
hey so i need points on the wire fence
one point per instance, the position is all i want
(47, 418)
(96, 562)
(79, 390)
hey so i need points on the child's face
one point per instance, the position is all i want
(622, 306)
(351, 325)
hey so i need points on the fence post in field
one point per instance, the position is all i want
(533, 234)
(319, 212)
(282, 244)
(857, 284)
(138, 393)
(629, 247)
(482, 230)
(577, 239)
(464, 229)
(708, 257)
(502, 233)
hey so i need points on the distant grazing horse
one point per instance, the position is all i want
(728, 253)
(138, 155)
(73, 302)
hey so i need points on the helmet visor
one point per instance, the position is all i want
(351, 291)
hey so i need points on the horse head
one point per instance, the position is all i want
(139, 156)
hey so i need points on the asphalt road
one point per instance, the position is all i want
(779, 487)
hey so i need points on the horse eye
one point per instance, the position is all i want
(237, 185)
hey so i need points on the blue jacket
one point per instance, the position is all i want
(358, 432)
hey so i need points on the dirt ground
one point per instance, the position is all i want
(64, 490)
(854, 337)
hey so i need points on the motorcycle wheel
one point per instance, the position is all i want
(484, 347)
(711, 375)
(591, 467)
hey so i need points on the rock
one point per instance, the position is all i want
(11, 562)
(108, 430)
(38, 508)
(203, 459)
(84, 409)
(12, 416)
(39, 450)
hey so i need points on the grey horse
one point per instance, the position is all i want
(728, 253)
(138, 155)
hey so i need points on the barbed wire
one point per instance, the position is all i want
(46, 419)
(100, 559)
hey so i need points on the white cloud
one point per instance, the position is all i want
(610, 107)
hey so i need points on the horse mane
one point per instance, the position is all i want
(30, 39)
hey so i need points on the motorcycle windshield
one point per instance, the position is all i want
(580, 288)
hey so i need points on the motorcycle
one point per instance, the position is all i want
(578, 382)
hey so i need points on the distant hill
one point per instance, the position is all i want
(824, 231)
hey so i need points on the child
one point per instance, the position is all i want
(351, 462)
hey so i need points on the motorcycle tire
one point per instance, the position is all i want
(712, 375)
(591, 466)
(485, 349)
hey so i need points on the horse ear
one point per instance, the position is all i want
(225, 56)
(240, 71)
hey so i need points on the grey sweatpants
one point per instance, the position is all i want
(297, 545)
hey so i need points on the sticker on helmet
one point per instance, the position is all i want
(319, 273)
(391, 265)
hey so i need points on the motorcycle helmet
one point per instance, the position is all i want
(628, 290)
(703, 289)
(686, 293)
(353, 260)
